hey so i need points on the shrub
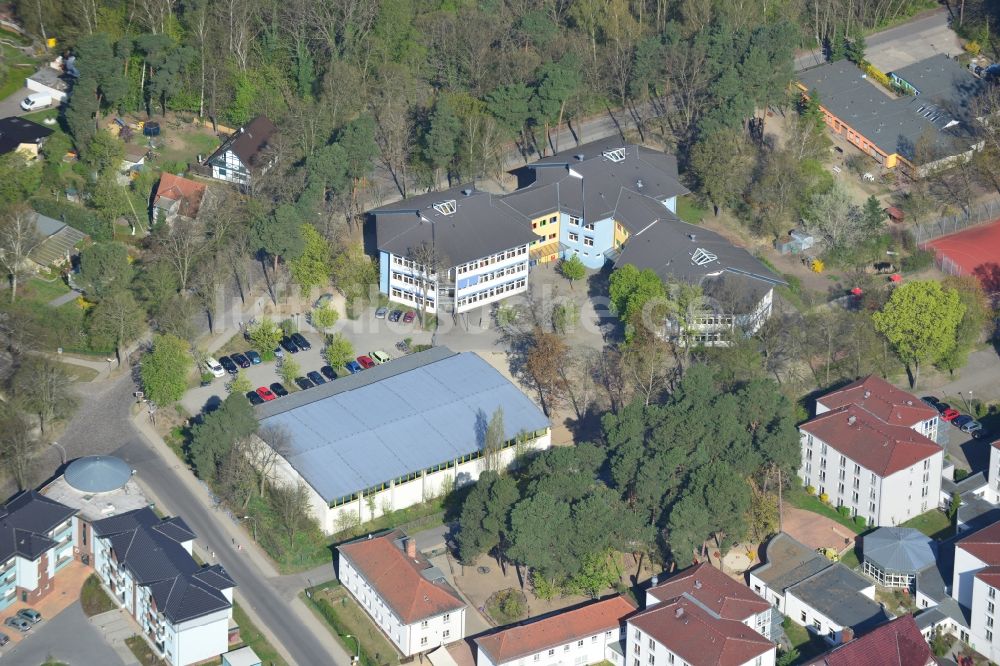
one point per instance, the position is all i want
(961, 474)
(917, 261)
(810, 490)
(860, 521)
(324, 317)
(843, 510)
(824, 498)
(507, 606)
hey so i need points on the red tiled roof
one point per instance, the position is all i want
(559, 629)
(877, 446)
(984, 544)
(714, 590)
(990, 576)
(895, 643)
(188, 192)
(874, 394)
(697, 637)
(398, 579)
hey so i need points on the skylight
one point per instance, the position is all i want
(446, 207)
(702, 257)
(616, 155)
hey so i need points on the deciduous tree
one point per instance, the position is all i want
(18, 237)
(165, 370)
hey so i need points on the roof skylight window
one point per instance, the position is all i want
(702, 256)
(446, 207)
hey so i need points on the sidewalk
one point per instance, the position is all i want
(116, 626)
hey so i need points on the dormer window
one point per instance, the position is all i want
(616, 155)
(702, 256)
(446, 207)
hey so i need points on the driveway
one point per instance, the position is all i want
(68, 637)
(11, 106)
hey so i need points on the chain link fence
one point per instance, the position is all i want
(928, 231)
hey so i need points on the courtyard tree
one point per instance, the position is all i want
(43, 387)
(265, 336)
(339, 351)
(484, 520)
(572, 269)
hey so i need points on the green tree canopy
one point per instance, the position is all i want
(312, 268)
(104, 269)
(484, 521)
(339, 351)
(165, 370)
(214, 436)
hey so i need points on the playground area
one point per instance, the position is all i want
(974, 251)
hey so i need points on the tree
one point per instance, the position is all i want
(265, 336)
(534, 541)
(440, 143)
(44, 388)
(494, 438)
(16, 446)
(485, 517)
(180, 246)
(289, 370)
(572, 269)
(323, 317)
(312, 267)
(339, 351)
(240, 385)
(280, 234)
(19, 178)
(290, 505)
(546, 361)
(212, 439)
(973, 323)
(104, 269)
(638, 297)
(854, 49)
(510, 106)
(558, 81)
(920, 321)
(18, 237)
(165, 370)
(433, 264)
(116, 320)
(722, 164)
(565, 316)
(354, 273)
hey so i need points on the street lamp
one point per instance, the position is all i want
(62, 451)
(968, 402)
(356, 658)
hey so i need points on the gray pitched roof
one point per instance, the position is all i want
(788, 562)
(481, 225)
(57, 240)
(836, 593)
(896, 125)
(151, 549)
(25, 522)
(401, 417)
(898, 550)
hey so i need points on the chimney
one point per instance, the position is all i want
(847, 635)
(851, 420)
(411, 548)
(654, 580)
(679, 613)
(697, 584)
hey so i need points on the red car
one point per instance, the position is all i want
(950, 414)
(366, 362)
(409, 316)
(266, 393)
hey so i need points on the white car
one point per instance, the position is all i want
(213, 366)
(36, 101)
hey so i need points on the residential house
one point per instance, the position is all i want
(244, 155)
(451, 251)
(866, 450)
(22, 135)
(36, 541)
(398, 434)
(683, 631)
(407, 597)
(930, 126)
(581, 635)
(57, 243)
(177, 197)
(52, 81)
(825, 597)
(182, 608)
(719, 594)
(895, 643)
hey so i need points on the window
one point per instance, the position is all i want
(652, 659)
(589, 226)
(652, 645)
(588, 241)
(575, 221)
(446, 633)
(989, 622)
(817, 625)
(635, 663)
(702, 256)
(574, 237)
(804, 617)
(538, 657)
(552, 652)
(446, 207)
(857, 469)
(989, 635)
(423, 625)
(446, 618)
(993, 593)
(566, 648)
(579, 643)
(989, 607)
(616, 155)
(423, 641)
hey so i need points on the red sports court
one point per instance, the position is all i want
(974, 251)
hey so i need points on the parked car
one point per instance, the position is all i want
(279, 353)
(300, 341)
(303, 383)
(36, 101)
(381, 312)
(366, 362)
(228, 364)
(395, 315)
(315, 377)
(950, 414)
(941, 407)
(214, 367)
(240, 360)
(982, 433)
(254, 357)
(30, 614)
(971, 427)
(961, 420)
(19, 623)
(265, 393)
(279, 389)
(930, 401)
(254, 398)
(4, 639)
(289, 346)
(403, 347)
(323, 300)
(380, 357)
(353, 367)
(328, 372)
(409, 316)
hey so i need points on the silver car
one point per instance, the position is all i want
(381, 312)
(971, 426)
(17, 622)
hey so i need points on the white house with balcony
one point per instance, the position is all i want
(36, 541)
(407, 597)
(183, 608)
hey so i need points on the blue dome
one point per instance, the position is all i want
(98, 474)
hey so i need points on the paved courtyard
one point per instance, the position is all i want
(68, 637)
(66, 591)
(816, 531)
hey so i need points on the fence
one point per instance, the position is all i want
(947, 266)
(981, 213)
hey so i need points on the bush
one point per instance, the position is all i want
(75, 216)
(93, 598)
(961, 474)
(843, 510)
(810, 490)
(323, 317)
(507, 606)
(860, 521)
(824, 498)
(918, 260)
(288, 327)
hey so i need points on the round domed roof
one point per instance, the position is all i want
(98, 474)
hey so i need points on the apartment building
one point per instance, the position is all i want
(36, 541)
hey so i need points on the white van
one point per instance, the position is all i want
(36, 101)
(213, 366)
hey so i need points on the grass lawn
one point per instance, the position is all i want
(93, 598)
(343, 616)
(21, 67)
(934, 524)
(42, 291)
(251, 636)
(140, 648)
(806, 643)
(689, 210)
(800, 499)
(850, 559)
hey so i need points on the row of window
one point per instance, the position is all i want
(544, 239)
(492, 259)
(519, 267)
(409, 279)
(545, 221)
(587, 240)
(408, 264)
(575, 221)
(492, 292)
(407, 296)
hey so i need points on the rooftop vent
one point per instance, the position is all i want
(616, 155)
(679, 612)
(638, 184)
(697, 585)
(654, 580)
(851, 420)
(702, 257)
(868, 394)
(446, 207)
(467, 192)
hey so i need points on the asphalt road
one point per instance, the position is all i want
(103, 424)
(68, 637)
